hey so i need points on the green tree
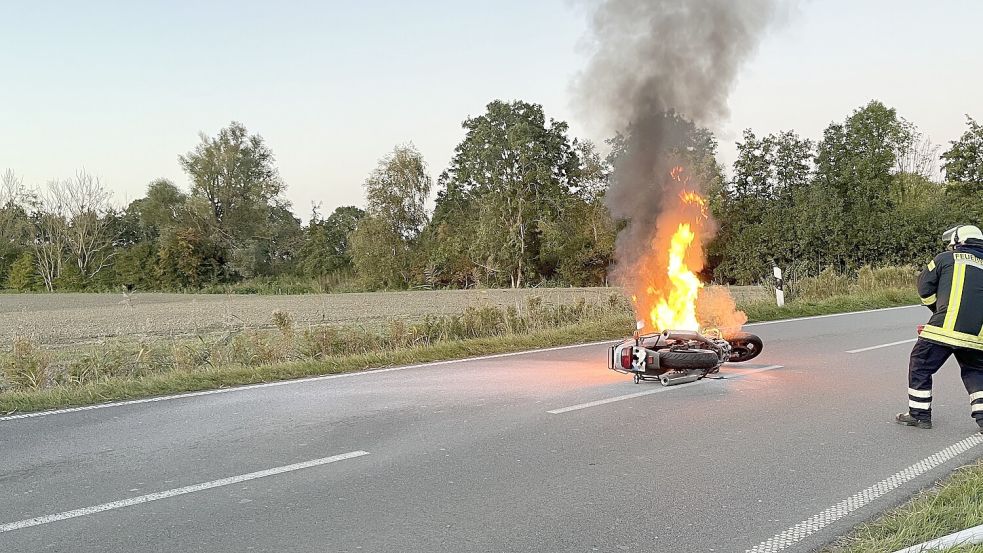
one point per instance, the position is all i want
(771, 177)
(192, 253)
(15, 223)
(22, 276)
(396, 193)
(235, 173)
(135, 266)
(856, 162)
(160, 209)
(326, 243)
(380, 256)
(578, 244)
(188, 258)
(397, 190)
(513, 171)
(963, 161)
(447, 244)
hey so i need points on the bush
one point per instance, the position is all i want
(27, 366)
(22, 276)
(830, 283)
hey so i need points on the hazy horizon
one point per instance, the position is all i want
(123, 89)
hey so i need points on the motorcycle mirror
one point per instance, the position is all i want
(639, 325)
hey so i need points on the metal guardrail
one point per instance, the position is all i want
(971, 536)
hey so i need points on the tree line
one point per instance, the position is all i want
(522, 203)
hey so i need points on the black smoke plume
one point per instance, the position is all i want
(657, 67)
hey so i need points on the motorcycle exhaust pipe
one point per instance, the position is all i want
(669, 380)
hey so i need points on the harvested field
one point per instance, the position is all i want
(63, 319)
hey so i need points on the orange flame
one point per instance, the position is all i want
(666, 289)
(675, 308)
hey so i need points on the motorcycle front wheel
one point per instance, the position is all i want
(744, 347)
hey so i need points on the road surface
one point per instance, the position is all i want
(543, 451)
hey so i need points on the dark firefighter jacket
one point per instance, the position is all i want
(952, 286)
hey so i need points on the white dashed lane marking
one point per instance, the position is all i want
(48, 519)
(881, 346)
(606, 401)
(816, 523)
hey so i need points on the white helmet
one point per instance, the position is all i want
(962, 233)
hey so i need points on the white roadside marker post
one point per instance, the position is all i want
(779, 287)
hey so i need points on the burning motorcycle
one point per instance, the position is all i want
(677, 357)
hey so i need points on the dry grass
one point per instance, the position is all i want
(957, 504)
(61, 319)
(33, 377)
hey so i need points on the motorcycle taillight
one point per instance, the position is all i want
(626, 358)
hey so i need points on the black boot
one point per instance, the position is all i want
(908, 420)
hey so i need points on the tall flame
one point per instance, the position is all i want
(666, 290)
(677, 308)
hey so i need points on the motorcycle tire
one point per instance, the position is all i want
(688, 359)
(744, 347)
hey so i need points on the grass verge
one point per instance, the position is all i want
(209, 378)
(953, 506)
(33, 379)
(891, 297)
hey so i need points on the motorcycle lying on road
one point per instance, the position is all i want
(677, 356)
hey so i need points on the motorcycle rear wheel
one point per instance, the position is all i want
(688, 359)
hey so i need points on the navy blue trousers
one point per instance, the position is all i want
(926, 359)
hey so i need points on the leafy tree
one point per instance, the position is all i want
(15, 225)
(771, 182)
(396, 192)
(579, 242)
(379, 254)
(161, 209)
(235, 173)
(188, 258)
(135, 266)
(512, 171)
(326, 244)
(192, 253)
(22, 276)
(856, 161)
(963, 161)
(447, 242)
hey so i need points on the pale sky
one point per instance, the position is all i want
(123, 88)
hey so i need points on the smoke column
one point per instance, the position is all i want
(654, 63)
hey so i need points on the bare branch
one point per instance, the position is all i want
(11, 188)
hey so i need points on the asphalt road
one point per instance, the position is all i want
(467, 456)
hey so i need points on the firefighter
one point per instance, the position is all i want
(952, 287)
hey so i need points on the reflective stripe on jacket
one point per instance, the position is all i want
(952, 286)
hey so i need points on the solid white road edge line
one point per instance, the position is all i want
(590, 404)
(871, 348)
(366, 372)
(812, 525)
(971, 536)
(47, 519)
(376, 371)
(814, 317)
